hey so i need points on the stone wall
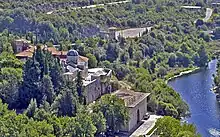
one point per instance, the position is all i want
(133, 112)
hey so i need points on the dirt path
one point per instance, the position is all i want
(208, 14)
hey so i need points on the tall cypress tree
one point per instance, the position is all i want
(31, 82)
(65, 103)
(47, 89)
(32, 108)
(39, 56)
(79, 88)
(56, 76)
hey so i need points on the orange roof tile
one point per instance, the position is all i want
(53, 50)
(83, 59)
(24, 54)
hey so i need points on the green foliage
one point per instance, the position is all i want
(99, 121)
(92, 60)
(79, 88)
(114, 111)
(217, 79)
(47, 89)
(32, 108)
(44, 124)
(170, 127)
(42, 76)
(65, 103)
(10, 78)
(166, 101)
(53, 105)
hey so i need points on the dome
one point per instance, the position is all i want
(72, 52)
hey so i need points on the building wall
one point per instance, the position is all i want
(93, 91)
(96, 89)
(70, 76)
(20, 46)
(132, 123)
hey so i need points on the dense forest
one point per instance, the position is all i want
(37, 101)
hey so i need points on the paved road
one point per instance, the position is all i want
(91, 6)
(146, 126)
(208, 14)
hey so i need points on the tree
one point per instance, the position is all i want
(31, 83)
(65, 103)
(199, 22)
(44, 104)
(184, 48)
(162, 71)
(152, 66)
(92, 60)
(130, 51)
(203, 57)
(56, 75)
(205, 36)
(124, 57)
(217, 78)
(39, 57)
(112, 52)
(186, 60)
(114, 111)
(171, 127)
(42, 76)
(37, 128)
(10, 79)
(167, 100)
(172, 60)
(47, 89)
(79, 89)
(86, 127)
(99, 121)
(32, 108)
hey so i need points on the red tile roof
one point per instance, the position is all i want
(29, 53)
(83, 59)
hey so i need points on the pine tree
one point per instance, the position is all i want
(47, 89)
(65, 103)
(32, 108)
(46, 66)
(39, 56)
(79, 88)
(203, 57)
(56, 75)
(31, 83)
(44, 104)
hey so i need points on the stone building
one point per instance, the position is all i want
(20, 45)
(96, 81)
(136, 102)
(28, 53)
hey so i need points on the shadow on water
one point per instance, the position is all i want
(195, 90)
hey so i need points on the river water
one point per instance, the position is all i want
(195, 90)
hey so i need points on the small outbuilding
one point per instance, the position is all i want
(136, 102)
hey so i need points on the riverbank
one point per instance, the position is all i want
(195, 91)
(214, 89)
(183, 73)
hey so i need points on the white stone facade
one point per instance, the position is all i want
(136, 102)
(97, 85)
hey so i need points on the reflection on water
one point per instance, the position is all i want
(205, 110)
(214, 132)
